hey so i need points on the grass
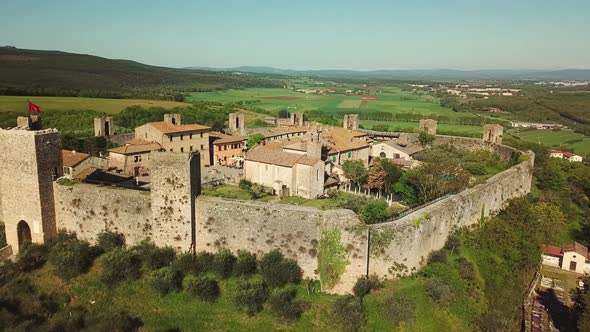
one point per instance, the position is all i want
(19, 103)
(566, 139)
(233, 192)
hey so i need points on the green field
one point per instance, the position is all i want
(566, 139)
(390, 100)
(19, 103)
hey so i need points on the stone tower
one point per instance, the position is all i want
(493, 133)
(32, 122)
(237, 123)
(31, 161)
(175, 183)
(297, 119)
(428, 125)
(314, 144)
(173, 119)
(103, 126)
(351, 121)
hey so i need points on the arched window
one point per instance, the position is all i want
(382, 155)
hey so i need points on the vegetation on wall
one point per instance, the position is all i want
(332, 259)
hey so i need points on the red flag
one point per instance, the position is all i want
(34, 108)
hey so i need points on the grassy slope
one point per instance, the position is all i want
(19, 103)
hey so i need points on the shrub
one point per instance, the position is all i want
(152, 256)
(466, 270)
(439, 256)
(203, 262)
(282, 304)
(246, 263)
(380, 127)
(205, 289)
(438, 291)
(108, 241)
(453, 243)
(277, 271)
(71, 258)
(117, 321)
(119, 265)
(400, 308)
(374, 211)
(185, 263)
(245, 184)
(249, 296)
(362, 287)
(349, 312)
(32, 257)
(166, 279)
(223, 263)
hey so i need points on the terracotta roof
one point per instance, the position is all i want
(220, 138)
(341, 139)
(580, 249)
(274, 157)
(168, 128)
(73, 158)
(409, 149)
(136, 146)
(273, 132)
(552, 251)
(308, 161)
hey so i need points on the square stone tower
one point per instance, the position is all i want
(351, 121)
(103, 126)
(32, 122)
(297, 119)
(31, 161)
(175, 183)
(173, 119)
(493, 133)
(237, 123)
(314, 144)
(428, 125)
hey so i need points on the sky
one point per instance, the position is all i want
(304, 34)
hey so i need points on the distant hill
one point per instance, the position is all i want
(426, 74)
(35, 72)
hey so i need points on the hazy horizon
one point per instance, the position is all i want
(331, 35)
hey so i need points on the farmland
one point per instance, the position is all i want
(564, 139)
(19, 103)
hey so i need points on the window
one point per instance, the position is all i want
(201, 135)
(382, 155)
(170, 138)
(181, 149)
(171, 150)
(334, 158)
(202, 147)
(349, 154)
(396, 156)
(190, 136)
(191, 148)
(181, 137)
(137, 159)
(224, 147)
(66, 170)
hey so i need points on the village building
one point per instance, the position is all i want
(133, 158)
(535, 125)
(291, 167)
(75, 163)
(173, 136)
(565, 155)
(571, 257)
(400, 155)
(226, 150)
(343, 144)
(281, 133)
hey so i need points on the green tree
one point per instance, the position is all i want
(250, 296)
(425, 139)
(277, 271)
(356, 171)
(374, 212)
(253, 140)
(349, 312)
(71, 258)
(392, 174)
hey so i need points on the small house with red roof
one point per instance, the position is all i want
(571, 257)
(565, 155)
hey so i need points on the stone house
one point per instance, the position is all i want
(74, 163)
(290, 167)
(173, 136)
(225, 148)
(565, 155)
(571, 257)
(133, 158)
(343, 144)
(399, 154)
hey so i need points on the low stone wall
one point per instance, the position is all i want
(402, 246)
(5, 252)
(88, 210)
(298, 232)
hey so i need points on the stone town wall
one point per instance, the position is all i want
(296, 231)
(402, 246)
(88, 209)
